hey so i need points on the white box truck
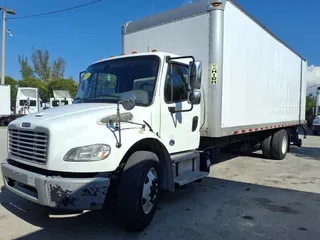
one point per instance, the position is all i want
(149, 121)
(5, 100)
(5, 104)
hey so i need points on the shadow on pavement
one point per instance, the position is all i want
(306, 152)
(211, 209)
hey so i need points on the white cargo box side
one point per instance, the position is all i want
(259, 82)
(5, 98)
(263, 80)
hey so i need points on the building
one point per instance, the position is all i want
(313, 79)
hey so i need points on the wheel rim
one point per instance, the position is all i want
(284, 145)
(150, 190)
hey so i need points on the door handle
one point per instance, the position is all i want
(194, 123)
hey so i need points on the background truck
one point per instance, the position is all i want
(28, 101)
(60, 98)
(316, 121)
(207, 75)
(5, 104)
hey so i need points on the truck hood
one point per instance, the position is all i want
(77, 125)
(84, 113)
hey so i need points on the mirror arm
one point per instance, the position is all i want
(119, 144)
(80, 75)
(173, 109)
(150, 128)
(168, 58)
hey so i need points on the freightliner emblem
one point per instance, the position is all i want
(26, 124)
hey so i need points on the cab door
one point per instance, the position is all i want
(179, 131)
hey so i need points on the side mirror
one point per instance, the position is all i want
(81, 74)
(128, 101)
(195, 74)
(195, 97)
(28, 103)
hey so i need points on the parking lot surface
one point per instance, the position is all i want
(245, 197)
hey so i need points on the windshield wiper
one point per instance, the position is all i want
(109, 95)
(83, 99)
(79, 98)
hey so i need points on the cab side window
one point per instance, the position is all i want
(176, 86)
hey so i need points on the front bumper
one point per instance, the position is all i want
(56, 192)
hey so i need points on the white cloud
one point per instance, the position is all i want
(187, 2)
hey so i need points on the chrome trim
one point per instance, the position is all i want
(28, 144)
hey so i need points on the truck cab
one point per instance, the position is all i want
(60, 98)
(134, 125)
(28, 101)
(160, 89)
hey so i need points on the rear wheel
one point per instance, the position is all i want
(279, 145)
(266, 147)
(138, 190)
(315, 133)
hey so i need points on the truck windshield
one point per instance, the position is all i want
(107, 81)
(55, 103)
(33, 103)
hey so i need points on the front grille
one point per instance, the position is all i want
(28, 145)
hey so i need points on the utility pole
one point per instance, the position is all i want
(3, 51)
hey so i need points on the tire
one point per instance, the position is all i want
(140, 177)
(315, 133)
(279, 145)
(266, 147)
(289, 132)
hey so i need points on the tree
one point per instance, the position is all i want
(62, 84)
(310, 106)
(41, 64)
(42, 67)
(25, 69)
(58, 68)
(13, 89)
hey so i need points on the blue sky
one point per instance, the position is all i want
(85, 35)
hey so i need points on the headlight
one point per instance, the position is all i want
(94, 152)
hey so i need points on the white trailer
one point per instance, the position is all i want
(5, 108)
(5, 103)
(148, 121)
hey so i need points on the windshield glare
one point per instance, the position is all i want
(106, 82)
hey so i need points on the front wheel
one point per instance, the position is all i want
(138, 190)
